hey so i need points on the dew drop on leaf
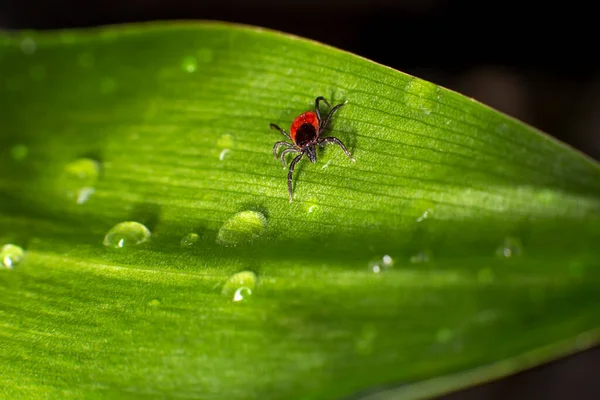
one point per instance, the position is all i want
(190, 240)
(11, 255)
(126, 234)
(243, 228)
(239, 286)
(79, 178)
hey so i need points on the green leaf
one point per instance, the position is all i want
(462, 245)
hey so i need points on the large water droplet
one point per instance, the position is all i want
(79, 178)
(239, 286)
(19, 152)
(243, 228)
(126, 234)
(190, 240)
(11, 255)
(510, 248)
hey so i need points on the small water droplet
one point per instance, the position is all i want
(37, 72)
(19, 152)
(226, 141)
(108, 85)
(189, 64)
(86, 60)
(154, 303)
(239, 286)
(242, 228)
(420, 257)
(224, 154)
(510, 248)
(11, 255)
(382, 264)
(126, 234)
(28, 45)
(242, 294)
(79, 178)
(190, 240)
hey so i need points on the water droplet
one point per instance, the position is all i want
(510, 248)
(108, 85)
(86, 60)
(37, 72)
(79, 178)
(485, 276)
(189, 64)
(190, 240)
(420, 257)
(382, 264)
(28, 45)
(11, 255)
(224, 154)
(244, 227)
(242, 294)
(226, 141)
(154, 303)
(126, 234)
(19, 152)
(239, 286)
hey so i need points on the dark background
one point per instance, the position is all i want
(536, 62)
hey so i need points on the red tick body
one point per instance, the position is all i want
(305, 134)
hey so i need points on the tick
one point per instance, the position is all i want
(305, 134)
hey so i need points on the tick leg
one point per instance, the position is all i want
(292, 165)
(277, 145)
(284, 133)
(334, 109)
(331, 139)
(284, 152)
(317, 111)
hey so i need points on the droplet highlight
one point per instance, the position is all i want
(126, 234)
(11, 255)
(511, 247)
(380, 265)
(243, 228)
